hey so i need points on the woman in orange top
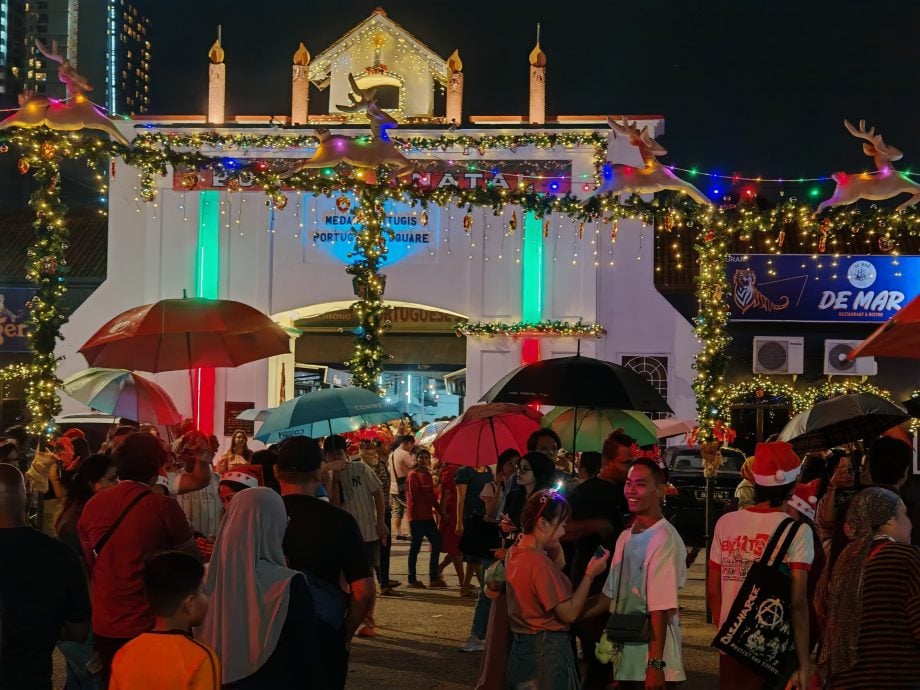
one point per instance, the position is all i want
(541, 603)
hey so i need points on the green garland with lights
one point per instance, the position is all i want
(555, 329)
(154, 152)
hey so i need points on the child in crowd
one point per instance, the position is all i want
(167, 656)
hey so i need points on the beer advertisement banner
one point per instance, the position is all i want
(14, 313)
(823, 288)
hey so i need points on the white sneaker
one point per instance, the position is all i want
(474, 644)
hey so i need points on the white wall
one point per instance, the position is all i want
(152, 256)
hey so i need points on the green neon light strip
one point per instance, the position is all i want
(532, 270)
(207, 264)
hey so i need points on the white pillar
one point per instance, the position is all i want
(537, 86)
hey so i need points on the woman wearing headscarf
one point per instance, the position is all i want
(261, 620)
(872, 637)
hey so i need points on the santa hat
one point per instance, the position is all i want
(805, 498)
(249, 476)
(775, 464)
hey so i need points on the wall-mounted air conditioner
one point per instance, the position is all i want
(837, 364)
(778, 355)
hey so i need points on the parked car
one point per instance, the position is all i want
(685, 502)
(95, 425)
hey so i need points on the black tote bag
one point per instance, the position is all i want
(758, 630)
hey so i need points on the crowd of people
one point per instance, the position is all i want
(163, 565)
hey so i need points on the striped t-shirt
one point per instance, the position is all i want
(889, 623)
(357, 485)
(202, 507)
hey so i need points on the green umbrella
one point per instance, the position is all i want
(595, 425)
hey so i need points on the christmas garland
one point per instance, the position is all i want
(154, 152)
(555, 329)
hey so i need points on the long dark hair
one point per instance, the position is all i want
(90, 470)
(544, 471)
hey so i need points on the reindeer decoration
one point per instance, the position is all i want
(884, 184)
(652, 176)
(380, 150)
(76, 114)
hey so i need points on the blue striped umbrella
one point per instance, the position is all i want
(325, 412)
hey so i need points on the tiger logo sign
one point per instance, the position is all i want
(747, 296)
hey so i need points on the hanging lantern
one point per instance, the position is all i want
(112, 169)
(581, 230)
(467, 222)
(781, 238)
(614, 229)
(545, 229)
(23, 166)
(424, 219)
(512, 222)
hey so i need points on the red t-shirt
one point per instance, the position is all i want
(420, 497)
(155, 524)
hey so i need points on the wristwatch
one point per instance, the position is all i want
(657, 664)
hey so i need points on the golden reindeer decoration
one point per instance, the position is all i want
(652, 176)
(380, 150)
(884, 184)
(76, 114)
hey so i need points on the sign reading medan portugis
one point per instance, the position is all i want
(789, 287)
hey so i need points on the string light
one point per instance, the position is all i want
(555, 329)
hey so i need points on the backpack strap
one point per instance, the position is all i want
(97, 549)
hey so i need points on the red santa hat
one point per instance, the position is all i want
(775, 464)
(805, 498)
(249, 476)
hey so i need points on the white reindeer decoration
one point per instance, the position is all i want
(380, 150)
(652, 176)
(884, 184)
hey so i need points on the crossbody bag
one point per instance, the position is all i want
(97, 548)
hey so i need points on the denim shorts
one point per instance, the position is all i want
(542, 661)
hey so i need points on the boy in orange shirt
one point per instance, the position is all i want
(167, 656)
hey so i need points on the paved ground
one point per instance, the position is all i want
(419, 633)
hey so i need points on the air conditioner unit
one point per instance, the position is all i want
(779, 355)
(837, 364)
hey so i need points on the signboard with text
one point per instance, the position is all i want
(232, 424)
(822, 288)
(14, 314)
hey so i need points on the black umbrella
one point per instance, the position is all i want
(912, 405)
(578, 382)
(844, 419)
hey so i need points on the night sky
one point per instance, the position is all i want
(759, 88)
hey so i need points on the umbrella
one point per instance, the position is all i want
(578, 382)
(476, 437)
(897, 337)
(596, 425)
(667, 428)
(912, 405)
(325, 412)
(177, 334)
(841, 420)
(254, 414)
(427, 435)
(122, 394)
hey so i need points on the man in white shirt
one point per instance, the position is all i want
(649, 566)
(194, 486)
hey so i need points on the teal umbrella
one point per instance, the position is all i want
(325, 412)
(595, 425)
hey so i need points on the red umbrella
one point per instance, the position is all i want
(190, 333)
(897, 337)
(476, 437)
